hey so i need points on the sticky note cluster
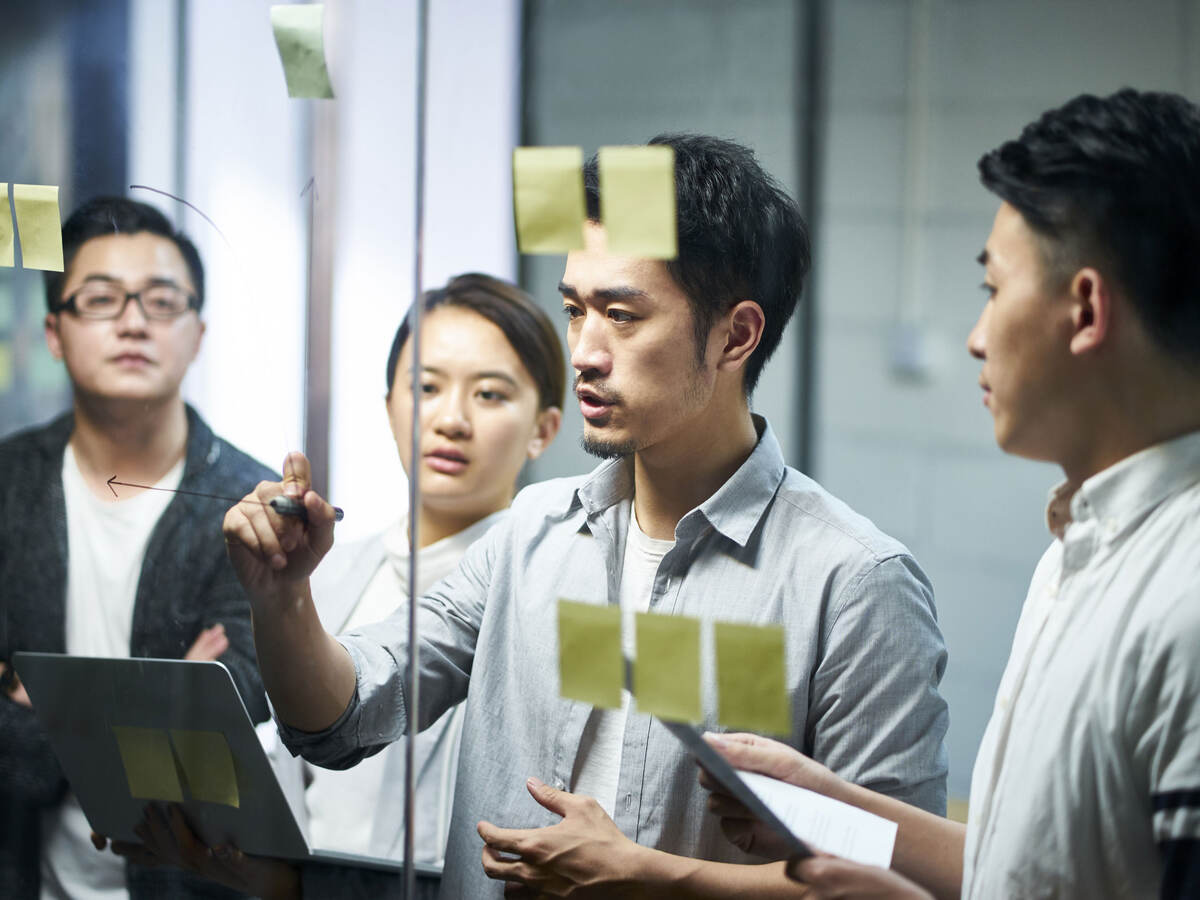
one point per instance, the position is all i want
(750, 665)
(300, 37)
(637, 200)
(158, 763)
(38, 227)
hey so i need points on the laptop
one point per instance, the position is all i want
(131, 731)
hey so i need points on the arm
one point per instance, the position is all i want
(929, 848)
(307, 673)
(875, 715)
(585, 855)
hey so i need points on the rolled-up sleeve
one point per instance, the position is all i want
(877, 718)
(449, 619)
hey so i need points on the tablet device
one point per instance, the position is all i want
(128, 732)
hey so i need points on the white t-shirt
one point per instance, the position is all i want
(106, 541)
(341, 803)
(598, 765)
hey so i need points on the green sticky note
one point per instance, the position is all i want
(751, 678)
(207, 765)
(149, 765)
(548, 204)
(7, 257)
(637, 201)
(6, 367)
(666, 675)
(591, 666)
(38, 226)
(300, 37)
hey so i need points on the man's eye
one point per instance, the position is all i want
(619, 315)
(100, 300)
(491, 396)
(572, 312)
(429, 388)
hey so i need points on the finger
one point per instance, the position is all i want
(297, 474)
(519, 891)
(552, 799)
(266, 527)
(242, 536)
(501, 869)
(728, 807)
(507, 840)
(99, 841)
(191, 848)
(752, 753)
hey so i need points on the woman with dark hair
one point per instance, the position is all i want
(492, 382)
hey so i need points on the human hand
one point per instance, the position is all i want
(752, 753)
(167, 840)
(270, 552)
(584, 855)
(830, 877)
(13, 689)
(209, 644)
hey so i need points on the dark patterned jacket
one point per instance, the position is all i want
(186, 585)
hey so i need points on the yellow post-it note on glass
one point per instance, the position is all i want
(637, 201)
(666, 674)
(591, 666)
(752, 678)
(300, 37)
(7, 257)
(149, 765)
(38, 226)
(548, 204)
(207, 765)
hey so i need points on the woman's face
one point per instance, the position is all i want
(479, 414)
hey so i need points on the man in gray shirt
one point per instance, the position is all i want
(666, 357)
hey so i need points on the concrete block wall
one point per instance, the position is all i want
(917, 455)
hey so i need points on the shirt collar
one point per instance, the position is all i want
(734, 510)
(1121, 494)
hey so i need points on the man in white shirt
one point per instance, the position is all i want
(94, 569)
(1087, 783)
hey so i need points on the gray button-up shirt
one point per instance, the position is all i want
(864, 653)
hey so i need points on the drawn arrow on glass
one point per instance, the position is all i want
(285, 506)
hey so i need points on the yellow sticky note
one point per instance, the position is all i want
(300, 37)
(207, 765)
(149, 765)
(7, 257)
(39, 226)
(548, 203)
(666, 675)
(752, 678)
(591, 666)
(637, 201)
(6, 366)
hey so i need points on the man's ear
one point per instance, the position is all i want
(549, 420)
(744, 327)
(53, 338)
(1091, 310)
(199, 341)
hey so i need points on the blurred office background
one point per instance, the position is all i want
(872, 112)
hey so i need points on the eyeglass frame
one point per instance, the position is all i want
(68, 304)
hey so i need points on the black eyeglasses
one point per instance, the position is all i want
(161, 302)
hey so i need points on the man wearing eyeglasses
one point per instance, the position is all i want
(91, 572)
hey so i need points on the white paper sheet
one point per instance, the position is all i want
(826, 824)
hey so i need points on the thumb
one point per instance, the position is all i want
(551, 798)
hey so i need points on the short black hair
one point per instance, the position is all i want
(1114, 183)
(741, 237)
(119, 215)
(528, 330)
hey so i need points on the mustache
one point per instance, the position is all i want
(597, 387)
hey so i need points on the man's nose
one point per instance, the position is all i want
(133, 317)
(977, 339)
(590, 351)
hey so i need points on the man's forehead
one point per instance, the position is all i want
(130, 257)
